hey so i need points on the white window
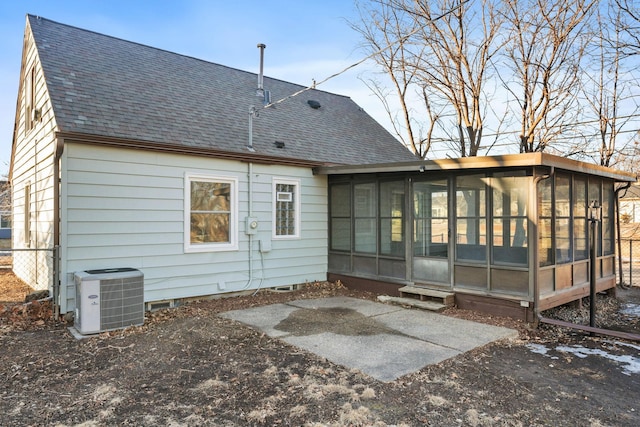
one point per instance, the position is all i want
(5, 219)
(286, 208)
(211, 213)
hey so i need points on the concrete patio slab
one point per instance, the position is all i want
(383, 341)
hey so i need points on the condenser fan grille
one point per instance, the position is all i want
(109, 299)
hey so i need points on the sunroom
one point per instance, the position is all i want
(507, 234)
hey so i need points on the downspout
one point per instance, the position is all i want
(57, 180)
(618, 233)
(591, 329)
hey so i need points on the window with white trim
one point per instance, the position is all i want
(211, 213)
(286, 208)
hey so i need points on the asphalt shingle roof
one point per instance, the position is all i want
(101, 85)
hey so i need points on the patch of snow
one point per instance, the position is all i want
(631, 309)
(630, 364)
(627, 344)
(538, 348)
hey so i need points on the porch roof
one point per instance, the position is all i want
(483, 163)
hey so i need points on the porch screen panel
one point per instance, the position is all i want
(563, 218)
(365, 209)
(580, 223)
(471, 218)
(340, 217)
(545, 223)
(391, 218)
(510, 231)
(431, 212)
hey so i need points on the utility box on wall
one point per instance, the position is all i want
(108, 299)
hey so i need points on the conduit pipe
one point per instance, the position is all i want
(250, 214)
(252, 113)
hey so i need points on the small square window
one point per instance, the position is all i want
(286, 208)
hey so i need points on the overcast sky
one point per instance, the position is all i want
(305, 40)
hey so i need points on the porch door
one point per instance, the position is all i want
(431, 232)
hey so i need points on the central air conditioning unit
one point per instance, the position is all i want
(108, 299)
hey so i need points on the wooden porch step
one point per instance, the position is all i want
(425, 294)
(412, 302)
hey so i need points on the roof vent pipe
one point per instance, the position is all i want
(260, 91)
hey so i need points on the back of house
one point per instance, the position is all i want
(130, 157)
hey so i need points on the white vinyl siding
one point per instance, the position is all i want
(32, 165)
(125, 208)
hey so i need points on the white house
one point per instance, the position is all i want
(129, 156)
(630, 205)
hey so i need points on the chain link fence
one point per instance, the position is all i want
(630, 256)
(38, 268)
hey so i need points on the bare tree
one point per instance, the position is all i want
(629, 25)
(627, 159)
(437, 58)
(546, 45)
(385, 32)
(607, 88)
(603, 96)
(459, 59)
(446, 59)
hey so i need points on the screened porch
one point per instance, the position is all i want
(511, 231)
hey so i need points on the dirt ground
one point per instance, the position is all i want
(189, 367)
(12, 289)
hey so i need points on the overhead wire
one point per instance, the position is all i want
(390, 44)
(355, 64)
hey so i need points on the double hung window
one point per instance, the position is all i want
(211, 209)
